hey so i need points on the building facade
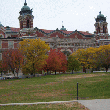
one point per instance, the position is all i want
(60, 39)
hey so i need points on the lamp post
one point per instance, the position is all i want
(77, 90)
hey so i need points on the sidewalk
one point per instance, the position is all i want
(96, 104)
(53, 102)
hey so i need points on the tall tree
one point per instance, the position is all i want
(73, 63)
(56, 62)
(3, 67)
(103, 56)
(13, 59)
(35, 53)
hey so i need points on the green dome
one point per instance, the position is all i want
(25, 10)
(25, 7)
(63, 29)
(100, 15)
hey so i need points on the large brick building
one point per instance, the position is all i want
(61, 39)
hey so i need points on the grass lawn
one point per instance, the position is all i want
(61, 87)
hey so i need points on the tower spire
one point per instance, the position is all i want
(25, 3)
(62, 23)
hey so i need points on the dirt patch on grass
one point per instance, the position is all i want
(63, 78)
(81, 76)
(45, 94)
(1, 88)
(51, 83)
(65, 105)
(75, 105)
(55, 93)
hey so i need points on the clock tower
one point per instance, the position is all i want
(101, 24)
(26, 17)
(101, 30)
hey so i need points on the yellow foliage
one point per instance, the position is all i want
(93, 57)
(34, 51)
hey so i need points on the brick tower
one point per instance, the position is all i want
(26, 17)
(101, 30)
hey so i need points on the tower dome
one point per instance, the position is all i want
(25, 10)
(100, 17)
(26, 17)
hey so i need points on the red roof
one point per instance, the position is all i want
(14, 29)
(85, 33)
(66, 32)
(46, 31)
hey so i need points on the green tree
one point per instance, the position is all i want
(73, 63)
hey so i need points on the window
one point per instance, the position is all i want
(0, 44)
(28, 24)
(0, 56)
(10, 44)
(104, 29)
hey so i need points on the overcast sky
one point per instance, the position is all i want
(49, 14)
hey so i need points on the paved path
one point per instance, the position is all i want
(96, 104)
(53, 102)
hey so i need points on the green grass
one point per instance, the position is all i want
(55, 88)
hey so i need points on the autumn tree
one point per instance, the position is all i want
(3, 67)
(94, 57)
(86, 58)
(35, 53)
(105, 56)
(73, 63)
(13, 59)
(102, 56)
(56, 62)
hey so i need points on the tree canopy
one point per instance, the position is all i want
(35, 53)
(56, 61)
(73, 63)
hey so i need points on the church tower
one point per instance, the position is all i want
(101, 25)
(26, 17)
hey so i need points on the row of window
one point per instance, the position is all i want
(10, 44)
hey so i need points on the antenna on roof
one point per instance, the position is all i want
(62, 23)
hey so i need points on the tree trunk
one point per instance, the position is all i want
(106, 69)
(14, 73)
(47, 71)
(17, 74)
(55, 72)
(72, 71)
(1, 73)
(92, 70)
(34, 75)
(85, 70)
